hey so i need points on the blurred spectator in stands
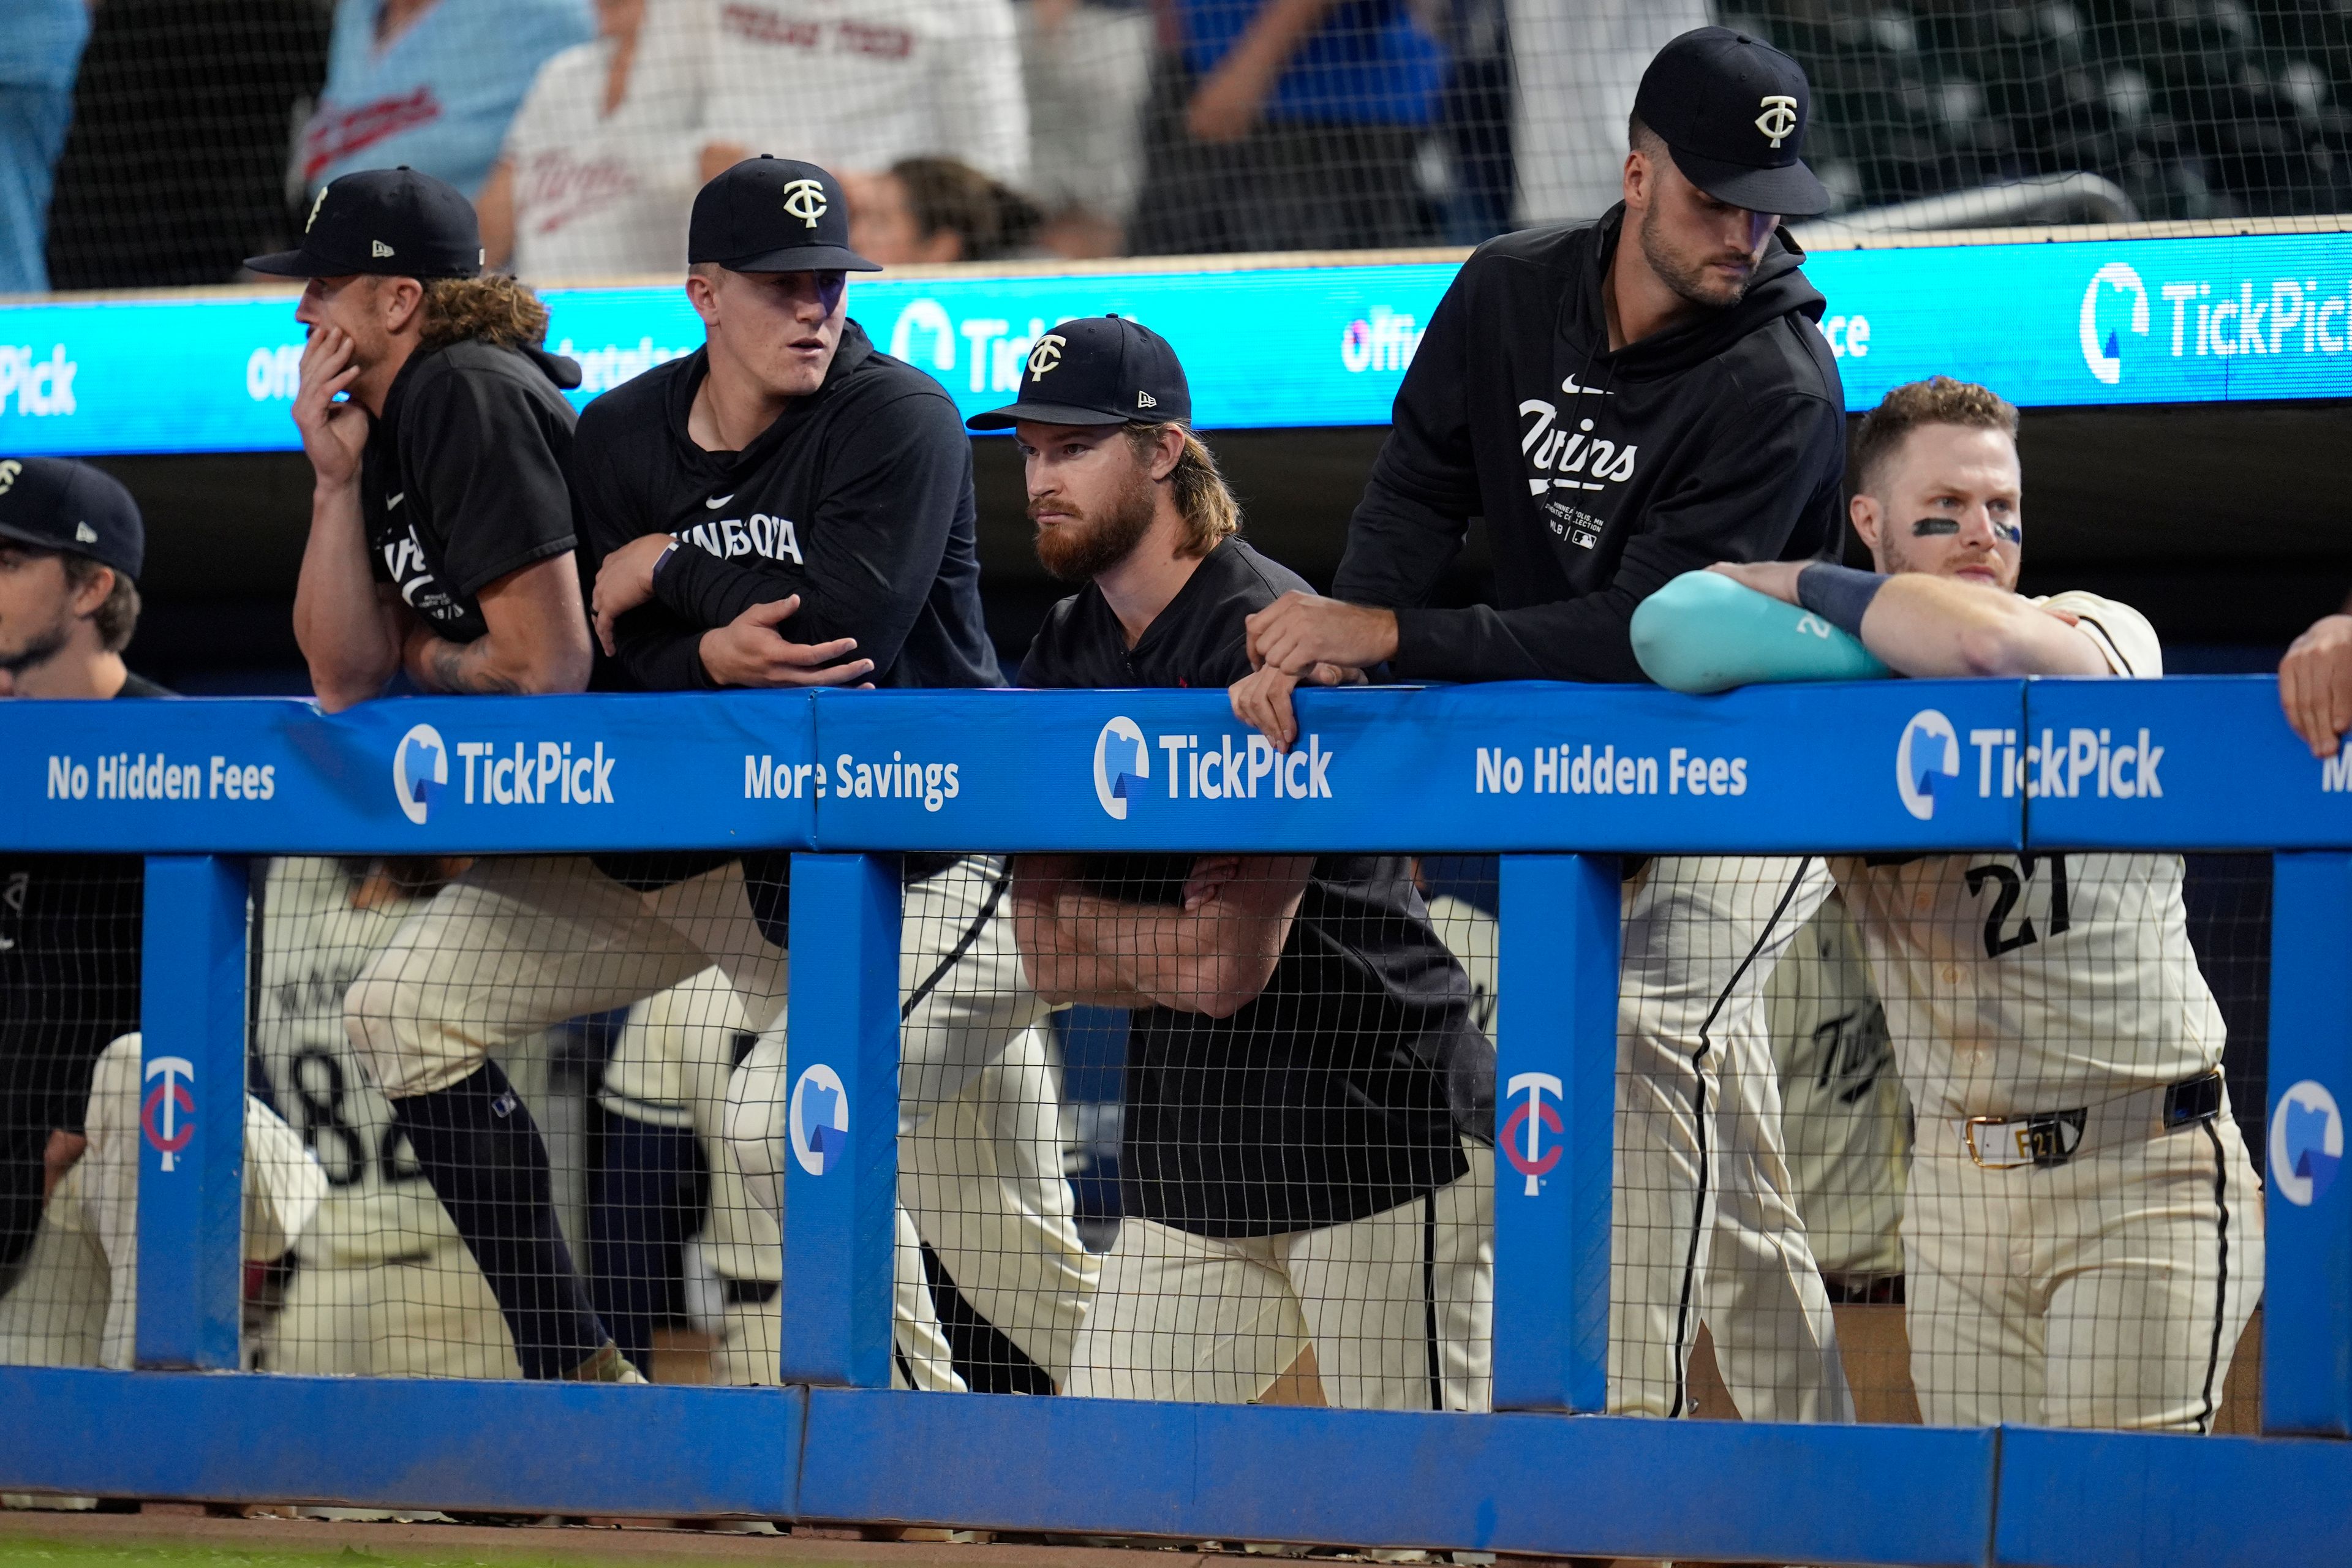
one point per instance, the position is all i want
(1289, 125)
(600, 164)
(215, 84)
(37, 79)
(1577, 68)
(430, 84)
(1474, 121)
(857, 85)
(1088, 65)
(936, 210)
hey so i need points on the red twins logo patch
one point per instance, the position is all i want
(169, 1115)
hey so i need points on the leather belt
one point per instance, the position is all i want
(2048, 1138)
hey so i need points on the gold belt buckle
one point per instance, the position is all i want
(2024, 1136)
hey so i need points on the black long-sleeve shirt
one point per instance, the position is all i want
(858, 499)
(1328, 1097)
(70, 931)
(1601, 475)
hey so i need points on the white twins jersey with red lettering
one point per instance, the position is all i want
(597, 194)
(857, 85)
(2021, 983)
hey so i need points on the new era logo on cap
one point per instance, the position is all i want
(1104, 370)
(385, 222)
(55, 503)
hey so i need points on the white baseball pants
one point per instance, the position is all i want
(1399, 1306)
(76, 1301)
(1705, 1224)
(2108, 1291)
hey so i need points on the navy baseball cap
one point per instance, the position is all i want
(56, 503)
(1098, 370)
(1733, 111)
(396, 222)
(774, 215)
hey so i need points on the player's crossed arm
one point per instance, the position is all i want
(1932, 627)
(1213, 953)
(749, 650)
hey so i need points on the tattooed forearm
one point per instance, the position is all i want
(460, 667)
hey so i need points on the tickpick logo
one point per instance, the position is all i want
(2105, 354)
(1121, 762)
(168, 1103)
(1918, 758)
(420, 769)
(2307, 1143)
(1523, 1134)
(819, 1119)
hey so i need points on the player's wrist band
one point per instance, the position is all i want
(1839, 594)
(661, 560)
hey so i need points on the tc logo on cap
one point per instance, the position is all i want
(1045, 355)
(316, 203)
(804, 199)
(1778, 120)
(8, 473)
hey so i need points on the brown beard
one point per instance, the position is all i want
(1689, 278)
(1082, 549)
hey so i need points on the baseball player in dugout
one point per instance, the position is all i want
(2084, 1234)
(789, 506)
(1621, 402)
(1294, 1171)
(441, 545)
(71, 546)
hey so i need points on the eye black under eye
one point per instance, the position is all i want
(1927, 527)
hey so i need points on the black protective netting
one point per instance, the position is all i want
(184, 134)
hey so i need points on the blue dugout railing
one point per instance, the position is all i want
(1559, 779)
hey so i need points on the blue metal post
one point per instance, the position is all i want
(841, 1167)
(1556, 1103)
(192, 1111)
(2308, 1296)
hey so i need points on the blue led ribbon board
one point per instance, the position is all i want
(2236, 319)
(2242, 318)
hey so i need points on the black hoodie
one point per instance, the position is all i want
(462, 482)
(1601, 475)
(858, 499)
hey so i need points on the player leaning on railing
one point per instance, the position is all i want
(440, 530)
(1300, 1056)
(441, 542)
(2084, 1235)
(1622, 402)
(788, 477)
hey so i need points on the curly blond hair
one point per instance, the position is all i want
(494, 308)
